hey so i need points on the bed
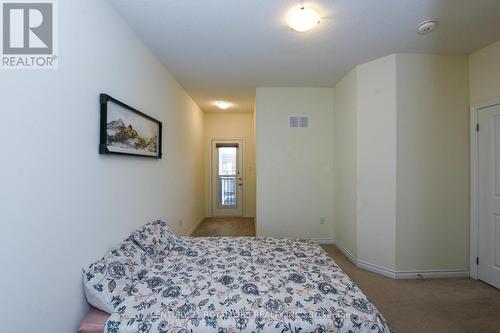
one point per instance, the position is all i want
(94, 321)
(155, 282)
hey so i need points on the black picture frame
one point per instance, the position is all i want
(107, 144)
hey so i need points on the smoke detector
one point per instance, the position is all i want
(426, 27)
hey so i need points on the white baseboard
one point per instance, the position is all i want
(348, 254)
(324, 240)
(377, 269)
(433, 274)
(400, 275)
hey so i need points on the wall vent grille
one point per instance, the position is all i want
(298, 122)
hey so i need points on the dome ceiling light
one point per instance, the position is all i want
(223, 105)
(302, 18)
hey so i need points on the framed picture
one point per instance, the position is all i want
(127, 131)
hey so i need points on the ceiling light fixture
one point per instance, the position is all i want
(302, 19)
(223, 105)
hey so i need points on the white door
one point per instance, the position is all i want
(489, 195)
(227, 178)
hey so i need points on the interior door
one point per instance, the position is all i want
(489, 195)
(227, 178)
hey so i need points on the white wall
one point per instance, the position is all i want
(231, 126)
(62, 205)
(432, 162)
(345, 162)
(294, 166)
(376, 162)
(484, 66)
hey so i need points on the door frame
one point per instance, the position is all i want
(211, 174)
(474, 184)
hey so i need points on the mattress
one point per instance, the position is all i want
(93, 322)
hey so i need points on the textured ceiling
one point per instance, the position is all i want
(223, 49)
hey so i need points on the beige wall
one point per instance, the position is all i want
(232, 126)
(432, 162)
(405, 119)
(376, 162)
(294, 166)
(484, 74)
(399, 150)
(345, 162)
(62, 205)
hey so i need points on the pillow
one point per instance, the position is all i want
(156, 239)
(119, 274)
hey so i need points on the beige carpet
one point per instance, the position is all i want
(226, 227)
(429, 305)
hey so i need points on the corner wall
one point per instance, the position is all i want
(432, 163)
(294, 166)
(345, 162)
(411, 181)
(62, 205)
(376, 167)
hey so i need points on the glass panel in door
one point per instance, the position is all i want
(227, 180)
(227, 177)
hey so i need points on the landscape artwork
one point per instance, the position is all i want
(128, 131)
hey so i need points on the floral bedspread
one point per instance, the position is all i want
(244, 285)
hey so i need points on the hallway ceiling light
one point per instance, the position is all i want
(223, 105)
(302, 19)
